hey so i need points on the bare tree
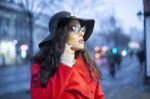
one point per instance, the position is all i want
(96, 9)
(32, 9)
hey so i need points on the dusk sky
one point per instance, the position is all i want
(126, 11)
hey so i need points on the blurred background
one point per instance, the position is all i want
(119, 43)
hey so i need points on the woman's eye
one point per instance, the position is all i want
(75, 29)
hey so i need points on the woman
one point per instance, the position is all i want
(63, 69)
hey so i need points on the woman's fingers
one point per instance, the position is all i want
(68, 49)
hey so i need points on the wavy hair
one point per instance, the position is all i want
(49, 56)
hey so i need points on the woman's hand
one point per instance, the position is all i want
(68, 55)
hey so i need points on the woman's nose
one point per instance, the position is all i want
(81, 33)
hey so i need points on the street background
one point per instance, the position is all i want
(117, 44)
(128, 83)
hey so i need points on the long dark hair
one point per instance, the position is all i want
(49, 56)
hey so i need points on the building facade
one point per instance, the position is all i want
(147, 40)
(16, 36)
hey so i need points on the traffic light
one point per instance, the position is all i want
(114, 50)
(124, 52)
(97, 52)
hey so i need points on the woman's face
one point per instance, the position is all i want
(75, 35)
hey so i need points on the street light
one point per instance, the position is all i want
(140, 15)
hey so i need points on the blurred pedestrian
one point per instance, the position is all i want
(118, 59)
(141, 56)
(111, 62)
(63, 69)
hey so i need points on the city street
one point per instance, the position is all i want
(14, 82)
(128, 83)
(114, 32)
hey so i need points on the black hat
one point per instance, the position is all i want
(63, 15)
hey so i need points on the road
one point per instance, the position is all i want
(128, 83)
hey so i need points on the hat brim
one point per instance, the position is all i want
(46, 40)
(88, 23)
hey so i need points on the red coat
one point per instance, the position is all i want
(67, 83)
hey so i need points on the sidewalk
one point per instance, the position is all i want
(15, 82)
(128, 83)
(18, 95)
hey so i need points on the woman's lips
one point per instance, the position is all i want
(81, 41)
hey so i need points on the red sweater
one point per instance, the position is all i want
(67, 83)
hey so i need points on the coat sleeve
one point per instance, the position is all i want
(99, 94)
(55, 85)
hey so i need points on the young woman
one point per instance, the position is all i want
(63, 69)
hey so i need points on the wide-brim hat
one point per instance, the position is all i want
(64, 15)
